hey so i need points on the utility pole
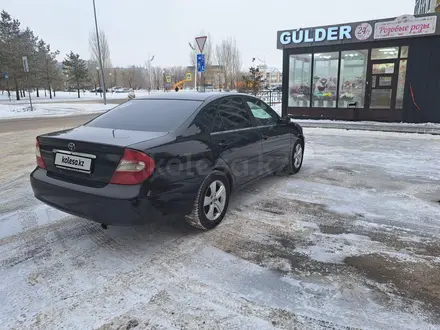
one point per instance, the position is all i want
(99, 55)
(26, 70)
(150, 83)
(195, 65)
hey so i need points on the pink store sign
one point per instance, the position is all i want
(405, 26)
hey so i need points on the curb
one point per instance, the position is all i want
(378, 128)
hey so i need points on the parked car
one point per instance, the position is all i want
(174, 153)
(122, 90)
(115, 88)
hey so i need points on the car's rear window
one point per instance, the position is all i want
(147, 115)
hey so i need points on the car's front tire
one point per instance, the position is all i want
(211, 202)
(296, 157)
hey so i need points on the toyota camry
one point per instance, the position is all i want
(175, 153)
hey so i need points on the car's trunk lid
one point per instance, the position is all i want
(88, 155)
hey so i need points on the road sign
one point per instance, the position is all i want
(25, 64)
(6, 76)
(188, 76)
(201, 62)
(201, 41)
(168, 78)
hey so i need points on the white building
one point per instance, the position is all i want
(272, 76)
(426, 6)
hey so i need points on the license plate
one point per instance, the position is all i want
(71, 162)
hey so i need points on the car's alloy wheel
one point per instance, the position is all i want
(214, 201)
(211, 202)
(296, 158)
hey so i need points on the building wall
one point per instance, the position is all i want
(423, 74)
(426, 6)
(212, 76)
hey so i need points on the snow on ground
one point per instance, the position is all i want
(351, 241)
(70, 96)
(8, 111)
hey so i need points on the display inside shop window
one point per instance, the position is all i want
(404, 51)
(401, 84)
(383, 68)
(353, 78)
(325, 80)
(299, 80)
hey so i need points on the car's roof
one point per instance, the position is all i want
(196, 96)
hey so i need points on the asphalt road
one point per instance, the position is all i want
(350, 242)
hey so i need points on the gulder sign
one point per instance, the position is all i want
(316, 35)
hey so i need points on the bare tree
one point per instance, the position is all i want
(235, 64)
(105, 50)
(93, 73)
(129, 76)
(228, 57)
(157, 77)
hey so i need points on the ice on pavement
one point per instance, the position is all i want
(278, 260)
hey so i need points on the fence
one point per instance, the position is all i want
(270, 97)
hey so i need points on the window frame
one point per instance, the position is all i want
(256, 120)
(225, 130)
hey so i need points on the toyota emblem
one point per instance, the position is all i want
(71, 146)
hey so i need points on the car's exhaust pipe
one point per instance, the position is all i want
(104, 226)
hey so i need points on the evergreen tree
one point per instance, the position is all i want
(48, 71)
(76, 70)
(253, 81)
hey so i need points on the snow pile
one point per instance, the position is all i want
(8, 111)
(72, 96)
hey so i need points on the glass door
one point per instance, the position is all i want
(382, 84)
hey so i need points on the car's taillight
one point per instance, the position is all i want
(135, 167)
(40, 161)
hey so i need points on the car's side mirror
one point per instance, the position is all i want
(284, 120)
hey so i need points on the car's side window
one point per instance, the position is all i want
(263, 114)
(233, 113)
(207, 119)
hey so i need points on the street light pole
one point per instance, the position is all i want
(99, 54)
(150, 83)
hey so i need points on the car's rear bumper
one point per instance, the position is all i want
(112, 204)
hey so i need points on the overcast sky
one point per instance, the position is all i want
(135, 28)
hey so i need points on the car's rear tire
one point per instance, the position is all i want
(296, 157)
(211, 202)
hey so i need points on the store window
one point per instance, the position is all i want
(383, 68)
(299, 80)
(353, 78)
(384, 53)
(404, 51)
(401, 84)
(381, 98)
(325, 79)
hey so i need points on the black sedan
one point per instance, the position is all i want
(175, 153)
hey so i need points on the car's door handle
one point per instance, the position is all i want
(223, 144)
(264, 136)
